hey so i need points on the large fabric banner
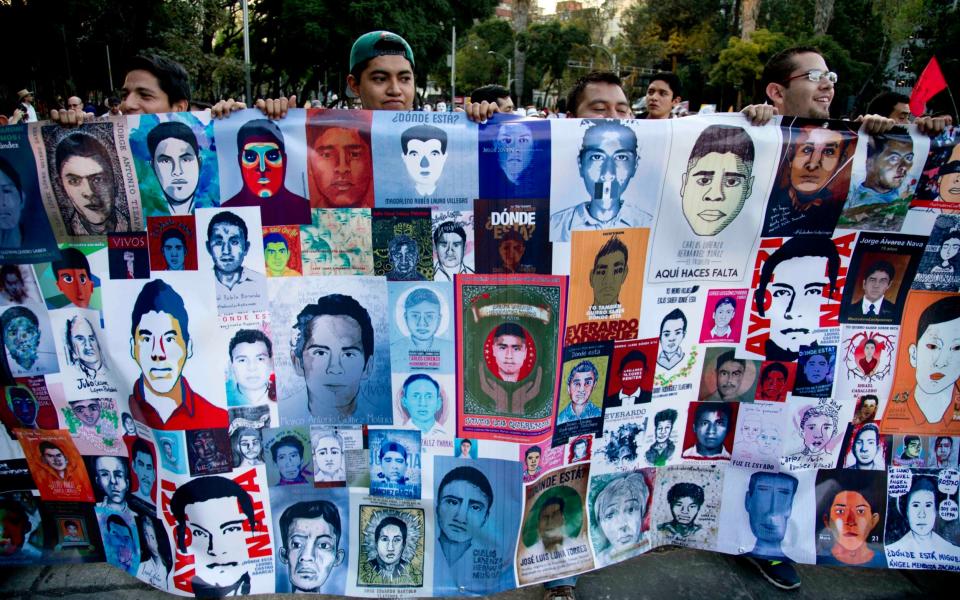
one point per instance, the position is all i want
(402, 354)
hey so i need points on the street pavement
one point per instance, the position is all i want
(674, 574)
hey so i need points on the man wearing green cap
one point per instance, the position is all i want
(381, 71)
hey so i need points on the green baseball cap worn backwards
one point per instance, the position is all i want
(379, 43)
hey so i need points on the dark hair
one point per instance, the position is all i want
(799, 247)
(15, 312)
(275, 237)
(510, 328)
(781, 64)
(423, 133)
(884, 103)
(173, 232)
(867, 427)
(909, 439)
(882, 266)
(10, 270)
(729, 356)
(612, 245)
(490, 93)
(158, 296)
(876, 143)
(171, 129)
(448, 227)
(936, 442)
(335, 305)
(573, 96)
(685, 490)
(314, 509)
(203, 489)
(163, 543)
(226, 218)
(289, 441)
(673, 315)
(393, 447)
(70, 258)
(723, 409)
(139, 446)
(723, 139)
(672, 81)
(774, 366)
(119, 521)
(261, 128)
(633, 356)
(391, 520)
(419, 377)
(82, 145)
(667, 414)
(870, 341)
(779, 475)
(584, 366)
(941, 311)
(869, 397)
(919, 483)
(172, 77)
(7, 169)
(725, 300)
(420, 295)
(472, 476)
(551, 500)
(534, 448)
(249, 336)
(399, 241)
(45, 445)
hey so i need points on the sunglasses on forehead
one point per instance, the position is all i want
(815, 75)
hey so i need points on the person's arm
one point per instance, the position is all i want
(479, 112)
(271, 108)
(760, 114)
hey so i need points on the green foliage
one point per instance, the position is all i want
(549, 46)
(740, 64)
(475, 67)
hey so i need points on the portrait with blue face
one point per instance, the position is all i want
(515, 158)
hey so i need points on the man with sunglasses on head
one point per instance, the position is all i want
(798, 83)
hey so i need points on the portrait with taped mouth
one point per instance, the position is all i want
(83, 184)
(813, 177)
(613, 168)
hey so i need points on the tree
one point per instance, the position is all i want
(521, 20)
(475, 66)
(740, 64)
(548, 47)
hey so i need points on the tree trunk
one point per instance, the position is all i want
(822, 15)
(748, 17)
(521, 18)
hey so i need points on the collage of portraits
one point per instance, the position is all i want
(402, 354)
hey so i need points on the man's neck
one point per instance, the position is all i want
(426, 189)
(175, 394)
(453, 550)
(578, 408)
(229, 278)
(422, 344)
(933, 406)
(702, 451)
(604, 211)
(318, 408)
(184, 207)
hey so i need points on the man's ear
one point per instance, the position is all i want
(676, 101)
(775, 91)
(339, 558)
(283, 555)
(133, 344)
(367, 368)
(749, 184)
(180, 106)
(912, 351)
(189, 349)
(297, 363)
(354, 84)
(683, 183)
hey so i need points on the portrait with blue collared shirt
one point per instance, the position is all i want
(606, 174)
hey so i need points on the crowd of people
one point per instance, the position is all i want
(796, 82)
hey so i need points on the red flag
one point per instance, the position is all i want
(930, 84)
